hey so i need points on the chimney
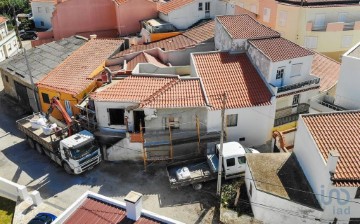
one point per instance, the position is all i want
(133, 202)
(332, 160)
(93, 36)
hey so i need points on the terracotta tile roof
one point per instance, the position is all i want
(189, 38)
(327, 69)
(119, 2)
(96, 211)
(340, 131)
(280, 49)
(173, 5)
(245, 27)
(156, 92)
(202, 32)
(71, 76)
(144, 57)
(3, 19)
(233, 74)
(154, 60)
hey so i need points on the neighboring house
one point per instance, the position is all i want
(9, 45)
(42, 12)
(327, 148)
(96, 208)
(185, 13)
(42, 60)
(250, 103)
(329, 27)
(130, 13)
(73, 79)
(278, 190)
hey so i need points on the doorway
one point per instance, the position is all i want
(139, 118)
(23, 97)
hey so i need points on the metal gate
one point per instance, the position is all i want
(23, 97)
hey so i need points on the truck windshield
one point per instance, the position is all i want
(81, 151)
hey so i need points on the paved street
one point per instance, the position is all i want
(23, 165)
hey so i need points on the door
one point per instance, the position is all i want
(23, 97)
(139, 118)
(234, 166)
(207, 9)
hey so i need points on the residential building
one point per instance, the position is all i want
(278, 190)
(329, 27)
(42, 59)
(250, 103)
(9, 45)
(183, 14)
(42, 12)
(327, 148)
(73, 79)
(91, 207)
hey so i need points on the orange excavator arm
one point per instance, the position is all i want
(55, 103)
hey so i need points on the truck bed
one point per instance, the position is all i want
(199, 172)
(47, 141)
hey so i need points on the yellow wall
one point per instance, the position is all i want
(293, 21)
(285, 126)
(160, 36)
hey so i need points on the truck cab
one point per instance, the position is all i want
(79, 152)
(234, 160)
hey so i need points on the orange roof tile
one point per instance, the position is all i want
(71, 76)
(280, 49)
(202, 32)
(327, 69)
(144, 57)
(234, 74)
(3, 19)
(340, 131)
(245, 27)
(156, 92)
(173, 5)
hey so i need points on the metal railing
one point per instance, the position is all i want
(284, 116)
(314, 81)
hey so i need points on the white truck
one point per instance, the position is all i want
(196, 171)
(75, 153)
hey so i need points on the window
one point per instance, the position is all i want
(230, 162)
(40, 10)
(173, 122)
(116, 116)
(253, 8)
(319, 21)
(282, 18)
(45, 98)
(231, 120)
(6, 78)
(241, 139)
(14, 43)
(296, 99)
(42, 23)
(357, 195)
(296, 70)
(280, 73)
(346, 41)
(47, 10)
(354, 221)
(266, 17)
(250, 190)
(342, 17)
(200, 6)
(311, 42)
(207, 6)
(242, 159)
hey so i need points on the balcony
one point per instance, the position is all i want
(290, 114)
(311, 82)
(334, 26)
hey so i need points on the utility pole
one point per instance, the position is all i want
(32, 81)
(218, 191)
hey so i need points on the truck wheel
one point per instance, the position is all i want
(39, 148)
(68, 169)
(30, 142)
(197, 186)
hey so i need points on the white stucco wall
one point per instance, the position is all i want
(222, 38)
(272, 209)
(286, 101)
(347, 89)
(42, 12)
(254, 123)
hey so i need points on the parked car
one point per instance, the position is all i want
(43, 218)
(27, 35)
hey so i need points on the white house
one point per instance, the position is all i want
(184, 13)
(278, 190)
(327, 146)
(9, 45)
(42, 12)
(250, 108)
(347, 90)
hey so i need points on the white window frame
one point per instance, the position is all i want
(319, 21)
(200, 6)
(266, 15)
(282, 18)
(280, 73)
(342, 16)
(231, 120)
(296, 99)
(253, 8)
(296, 69)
